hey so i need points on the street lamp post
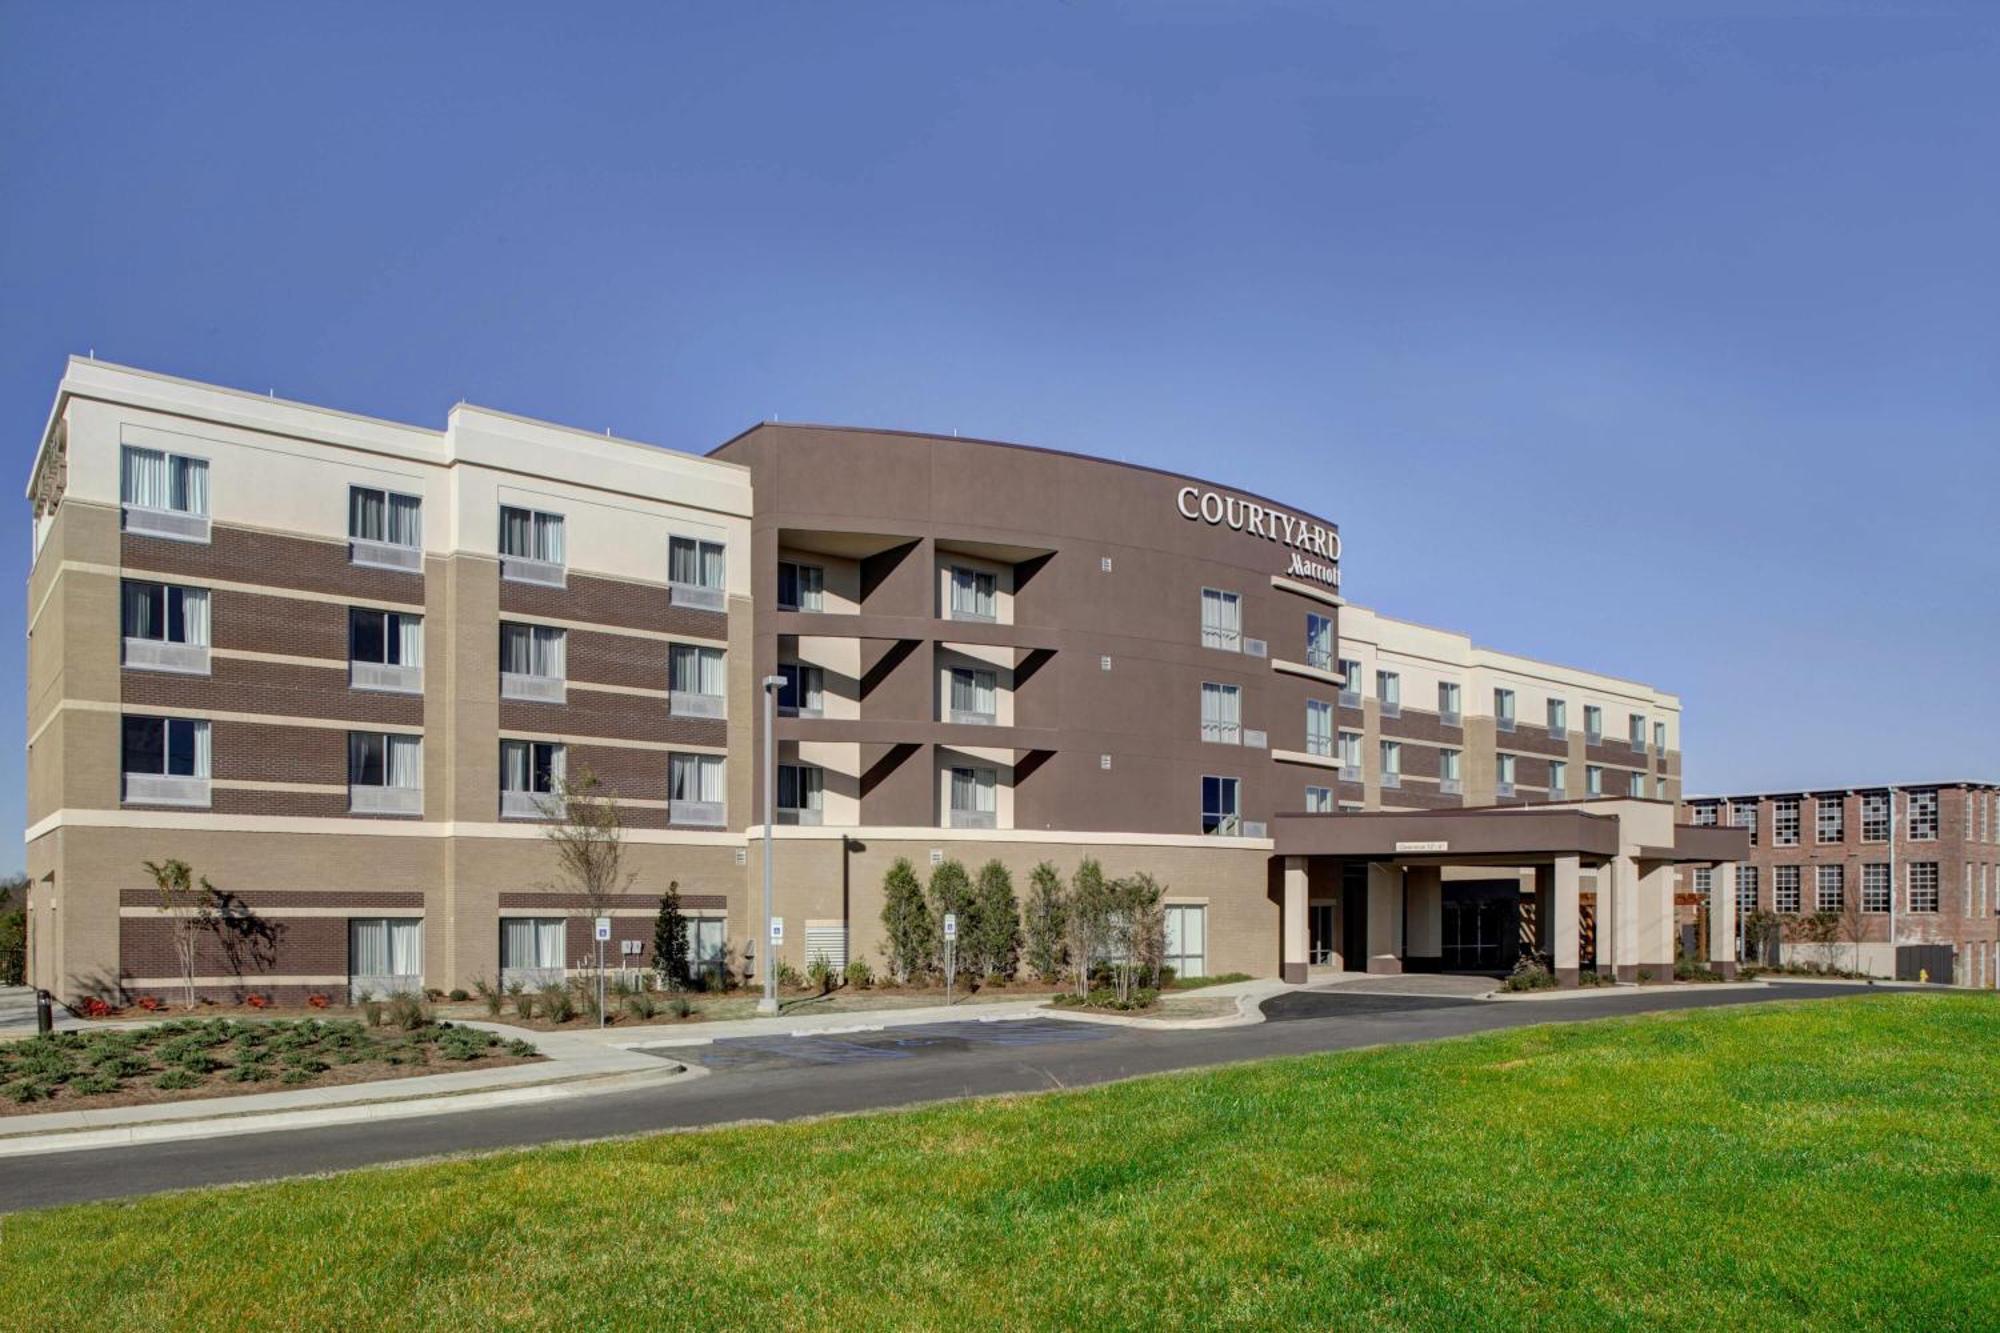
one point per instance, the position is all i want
(771, 684)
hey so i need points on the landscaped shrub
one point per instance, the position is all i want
(407, 1011)
(822, 974)
(524, 1002)
(93, 1084)
(558, 1005)
(459, 995)
(789, 978)
(1107, 997)
(1529, 974)
(642, 1004)
(519, 1048)
(23, 1091)
(489, 995)
(680, 1006)
(372, 1008)
(1692, 969)
(1595, 978)
(178, 1077)
(1196, 983)
(859, 974)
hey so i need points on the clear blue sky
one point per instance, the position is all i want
(1660, 345)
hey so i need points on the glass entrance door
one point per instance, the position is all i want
(1319, 934)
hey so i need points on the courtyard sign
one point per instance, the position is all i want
(1423, 846)
(1315, 548)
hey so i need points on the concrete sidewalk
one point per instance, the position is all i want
(576, 1066)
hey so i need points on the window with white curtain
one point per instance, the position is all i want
(1503, 774)
(532, 944)
(973, 797)
(166, 746)
(534, 767)
(534, 650)
(1221, 713)
(801, 791)
(1319, 727)
(529, 534)
(1221, 620)
(1451, 775)
(1221, 806)
(1593, 780)
(1450, 711)
(1319, 800)
(1558, 719)
(153, 479)
(1186, 939)
(974, 594)
(165, 613)
(804, 690)
(1350, 692)
(378, 759)
(974, 695)
(801, 587)
(1319, 641)
(1503, 709)
(1389, 693)
(695, 789)
(384, 955)
(1350, 756)
(386, 638)
(1392, 763)
(1558, 779)
(693, 669)
(695, 562)
(384, 516)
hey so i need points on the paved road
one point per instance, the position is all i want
(784, 1078)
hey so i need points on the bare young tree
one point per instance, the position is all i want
(1853, 925)
(588, 835)
(189, 906)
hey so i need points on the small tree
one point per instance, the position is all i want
(1819, 929)
(670, 940)
(951, 893)
(1046, 922)
(906, 922)
(1091, 909)
(1143, 905)
(997, 921)
(1853, 925)
(189, 906)
(588, 835)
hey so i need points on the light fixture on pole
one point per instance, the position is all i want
(771, 684)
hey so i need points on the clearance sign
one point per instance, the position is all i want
(1315, 548)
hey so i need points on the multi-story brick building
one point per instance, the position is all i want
(339, 665)
(1906, 865)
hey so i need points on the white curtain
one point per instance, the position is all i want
(188, 486)
(712, 675)
(695, 777)
(972, 691)
(364, 514)
(410, 640)
(514, 766)
(1223, 707)
(201, 748)
(406, 762)
(697, 670)
(550, 656)
(527, 941)
(385, 946)
(144, 478)
(406, 520)
(972, 789)
(711, 565)
(533, 650)
(549, 538)
(142, 620)
(194, 616)
(517, 532)
(558, 767)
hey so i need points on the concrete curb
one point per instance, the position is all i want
(1620, 988)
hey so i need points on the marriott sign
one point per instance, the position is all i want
(1315, 548)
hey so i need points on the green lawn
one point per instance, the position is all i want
(1828, 1163)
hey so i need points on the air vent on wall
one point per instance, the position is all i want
(1256, 740)
(1254, 828)
(1256, 648)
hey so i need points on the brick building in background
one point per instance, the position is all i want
(1932, 886)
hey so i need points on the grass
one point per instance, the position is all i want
(1828, 1163)
(210, 1057)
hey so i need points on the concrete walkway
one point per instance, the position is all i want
(576, 1066)
(17, 1011)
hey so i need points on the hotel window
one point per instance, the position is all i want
(533, 663)
(696, 680)
(1829, 888)
(1746, 889)
(385, 773)
(1350, 690)
(694, 790)
(1924, 886)
(1392, 764)
(385, 529)
(1451, 777)
(1743, 815)
(1635, 784)
(1830, 818)
(1558, 719)
(1875, 889)
(165, 761)
(974, 696)
(1660, 738)
(1221, 813)
(973, 594)
(1785, 888)
(1704, 880)
(1448, 703)
(1660, 788)
(385, 651)
(1221, 620)
(1350, 756)
(531, 546)
(1503, 775)
(1221, 713)
(385, 955)
(1186, 931)
(531, 950)
(1593, 780)
(804, 692)
(973, 798)
(1785, 822)
(1389, 693)
(1593, 724)
(1319, 800)
(801, 587)
(801, 793)
(1319, 641)
(1503, 709)
(1319, 727)
(1875, 816)
(164, 495)
(165, 627)
(698, 573)
(531, 772)
(1558, 779)
(1923, 816)
(1637, 733)
(1704, 815)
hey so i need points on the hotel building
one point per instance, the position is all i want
(338, 665)
(1915, 870)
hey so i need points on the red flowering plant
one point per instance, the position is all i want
(93, 1007)
(317, 1001)
(257, 1001)
(152, 1004)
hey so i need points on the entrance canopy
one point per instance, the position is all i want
(1499, 835)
